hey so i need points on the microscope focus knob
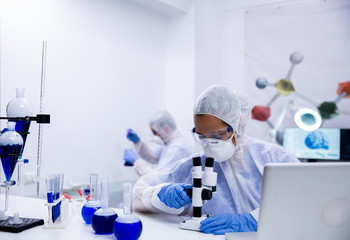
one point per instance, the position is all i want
(206, 194)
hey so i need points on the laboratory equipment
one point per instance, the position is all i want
(11, 144)
(20, 107)
(318, 201)
(92, 205)
(102, 220)
(57, 203)
(19, 110)
(40, 132)
(204, 185)
(127, 226)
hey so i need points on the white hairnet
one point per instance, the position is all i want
(225, 104)
(163, 123)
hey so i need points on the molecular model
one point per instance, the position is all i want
(306, 119)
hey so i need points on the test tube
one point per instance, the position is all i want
(104, 192)
(49, 189)
(93, 186)
(50, 197)
(127, 198)
(60, 179)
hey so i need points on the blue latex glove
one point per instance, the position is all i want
(130, 156)
(174, 195)
(132, 136)
(229, 222)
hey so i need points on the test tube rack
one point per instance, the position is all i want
(64, 217)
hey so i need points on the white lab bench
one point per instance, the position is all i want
(155, 226)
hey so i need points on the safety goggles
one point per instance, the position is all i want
(222, 134)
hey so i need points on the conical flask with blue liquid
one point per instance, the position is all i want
(127, 226)
(20, 107)
(92, 205)
(11, 144)
(102, 220)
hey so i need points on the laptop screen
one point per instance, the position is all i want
(322, 144)
(345, 144)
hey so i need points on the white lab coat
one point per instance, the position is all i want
(238, 183)
(165, 157)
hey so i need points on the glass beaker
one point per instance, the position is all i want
(102, 220)
(92, 205)
(127, 226)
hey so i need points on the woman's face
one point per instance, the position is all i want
(205, 124)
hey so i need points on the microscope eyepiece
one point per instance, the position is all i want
(209, 162)
(197, 161)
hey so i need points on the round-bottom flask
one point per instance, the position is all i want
(89, 209)
(20, 107)
(127, 226)
(102, 220)
(92, 205)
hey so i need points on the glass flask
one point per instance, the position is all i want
(92, 205)
(20, 107)
(102, 220)
(11, 144)
(127, 226)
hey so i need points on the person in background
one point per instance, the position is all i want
(220, 117)
(176, 147)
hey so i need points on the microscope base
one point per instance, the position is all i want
(192, 223)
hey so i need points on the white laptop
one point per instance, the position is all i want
(303, 201)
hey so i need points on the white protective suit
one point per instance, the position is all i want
(176, 146)
(239, 178)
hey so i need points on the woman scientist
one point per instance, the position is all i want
(220, 117)
(176, 147)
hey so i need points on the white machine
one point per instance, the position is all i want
(204, 185)
(303, 201)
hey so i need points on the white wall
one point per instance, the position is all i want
(105, 73)
(209, 51)
(180, 69)
(194, 55)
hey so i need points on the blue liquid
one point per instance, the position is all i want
(22, 127)
(87, 211)
(103, 224)
(9, 156)
(49, 197)
(127, 231)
